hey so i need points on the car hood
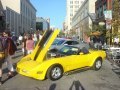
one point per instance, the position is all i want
(43, 45)
(28, 65)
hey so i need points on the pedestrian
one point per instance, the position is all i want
(24, 44)
(29, 44)
(14, 38)
(1, 59)
(20, 39)
(116, 41)
(35, 38)
(97, 42)
(9, 49)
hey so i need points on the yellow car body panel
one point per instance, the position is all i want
(36, 65)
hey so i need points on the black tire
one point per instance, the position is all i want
(55, 72)
(97, 64)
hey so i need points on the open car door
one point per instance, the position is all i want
(44, 44)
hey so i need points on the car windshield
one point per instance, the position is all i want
(58, 41)
(69, 50)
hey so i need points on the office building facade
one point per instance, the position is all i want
(72, 7)
(81, 22)
(20, 16)
(2, 18)
(42, 23)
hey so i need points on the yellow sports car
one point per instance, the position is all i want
(44, 63)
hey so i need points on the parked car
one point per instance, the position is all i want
(40, 65)
(60, 42)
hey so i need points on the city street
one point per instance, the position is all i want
(104, 79)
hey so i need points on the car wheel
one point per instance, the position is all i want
(55, 72)
(98, 64)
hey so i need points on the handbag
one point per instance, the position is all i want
(2, 55)
(2, 51)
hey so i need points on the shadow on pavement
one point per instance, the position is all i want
(52, 87)
(6, 71)
(6, 79)
(117, 71)
(76, 85)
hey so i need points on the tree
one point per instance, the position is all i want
(61, 34)
(116, 18)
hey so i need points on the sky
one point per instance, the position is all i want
(53, 9)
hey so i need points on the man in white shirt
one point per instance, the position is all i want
(20, 39)
(116, 40)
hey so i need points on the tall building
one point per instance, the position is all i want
(81, 22)
(100, 7)
(20, 15)
(42, 23)
(2, 18)
(71, 8)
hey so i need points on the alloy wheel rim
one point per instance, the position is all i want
(56, 72)
(98, 64)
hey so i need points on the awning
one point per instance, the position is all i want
(96, 33)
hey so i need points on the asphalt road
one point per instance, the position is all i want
(104, 79)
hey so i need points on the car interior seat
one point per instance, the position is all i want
(78, 51)
(84, 50)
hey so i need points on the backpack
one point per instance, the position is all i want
(11, 46)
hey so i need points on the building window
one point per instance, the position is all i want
(71, 19)
(71, 14)
(8, 15)
(71, 6)
(76, 2)
(71, 2)
(76, 7)
(71, 10)
(21, 6)
(75, 11)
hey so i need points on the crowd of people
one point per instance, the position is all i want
(28, 42)
(9, 47)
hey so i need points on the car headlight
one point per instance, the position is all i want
(25, 71)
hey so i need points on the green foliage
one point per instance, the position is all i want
(116, 17)
(61, 34)
(99, 28)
